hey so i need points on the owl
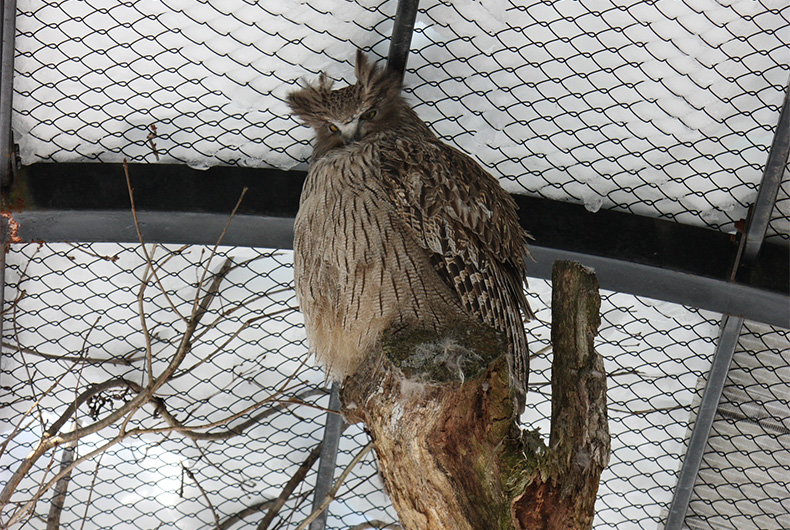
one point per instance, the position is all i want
(396, 228)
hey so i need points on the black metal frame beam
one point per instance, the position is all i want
(769, 186)
(631, 254)
(402, 31)
(753, 245)
(333, 428)
(698, 442)
(7, 50)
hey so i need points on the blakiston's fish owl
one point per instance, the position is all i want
(395, 227)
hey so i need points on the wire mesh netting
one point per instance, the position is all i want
(72, 320)
(663, 108)
(659, 107)
(743, 481)
(779, 227)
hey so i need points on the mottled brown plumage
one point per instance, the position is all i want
(395, 226)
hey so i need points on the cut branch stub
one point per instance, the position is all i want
(563, 496)
(450, 449)
(440, 439)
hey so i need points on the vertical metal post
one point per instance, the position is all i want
(728, 339)
(328, 459)
(769, 187)
(7, 33)
(3, 242)
(402, 31)
(731, 326)
(400, 43)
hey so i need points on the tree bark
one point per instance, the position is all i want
(450, 449)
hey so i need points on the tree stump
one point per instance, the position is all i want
(450, 449)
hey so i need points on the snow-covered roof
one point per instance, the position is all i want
(661, 108)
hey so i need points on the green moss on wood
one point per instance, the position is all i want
(459, 353)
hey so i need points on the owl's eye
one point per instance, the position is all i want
(369, 115)
(333, 128)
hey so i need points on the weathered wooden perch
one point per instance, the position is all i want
(450, 450)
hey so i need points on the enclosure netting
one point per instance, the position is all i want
(73, 319)
(661, 108)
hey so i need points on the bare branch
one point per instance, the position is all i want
(333, 492)
(61, 487)
(330, 496)
(137, 395)
(221, 347)
(202, 492)
(378, 525)
(73, 358)
(228, 522)
(148, 258)
(91, 490)
(289, 487)
(151, 137)
(149, 361)
(50, 440)
(192, 431)
(216, 245)
(30, 504)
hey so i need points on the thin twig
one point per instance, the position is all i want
(73, 359)
(149, 356)
(330, 496)
(219, 349)
(241, 304)
(148, 258)
(30, 504)
(289, 487)
(647, 411)
(75, 246)
(28, 412)
(50, 439)
(543, 351)
(378, 525)
(229, 521)
(151, 137)
(217, 244)
(192, 431)
(91, 490)
(202, 492)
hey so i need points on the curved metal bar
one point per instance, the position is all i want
(402, 31)
(7, 33)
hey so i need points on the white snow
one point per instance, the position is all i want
(665, 109)
(539, 93)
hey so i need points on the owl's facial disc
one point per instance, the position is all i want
(348, 131)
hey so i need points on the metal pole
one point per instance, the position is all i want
(328, 459)
(3, 242)
(402, 31)
(7, 34)
(731, 326)
(731, 330)
(769, 187)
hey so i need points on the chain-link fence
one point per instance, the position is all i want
(661, 108)
(73, 320)
(743, 481)
(658, 107)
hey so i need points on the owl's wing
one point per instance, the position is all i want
(462, 216)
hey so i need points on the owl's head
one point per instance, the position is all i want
(339, 117)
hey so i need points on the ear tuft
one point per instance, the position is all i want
(364, 70)
(324, 83)
(304, 101)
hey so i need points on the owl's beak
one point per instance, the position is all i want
(349, 132)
